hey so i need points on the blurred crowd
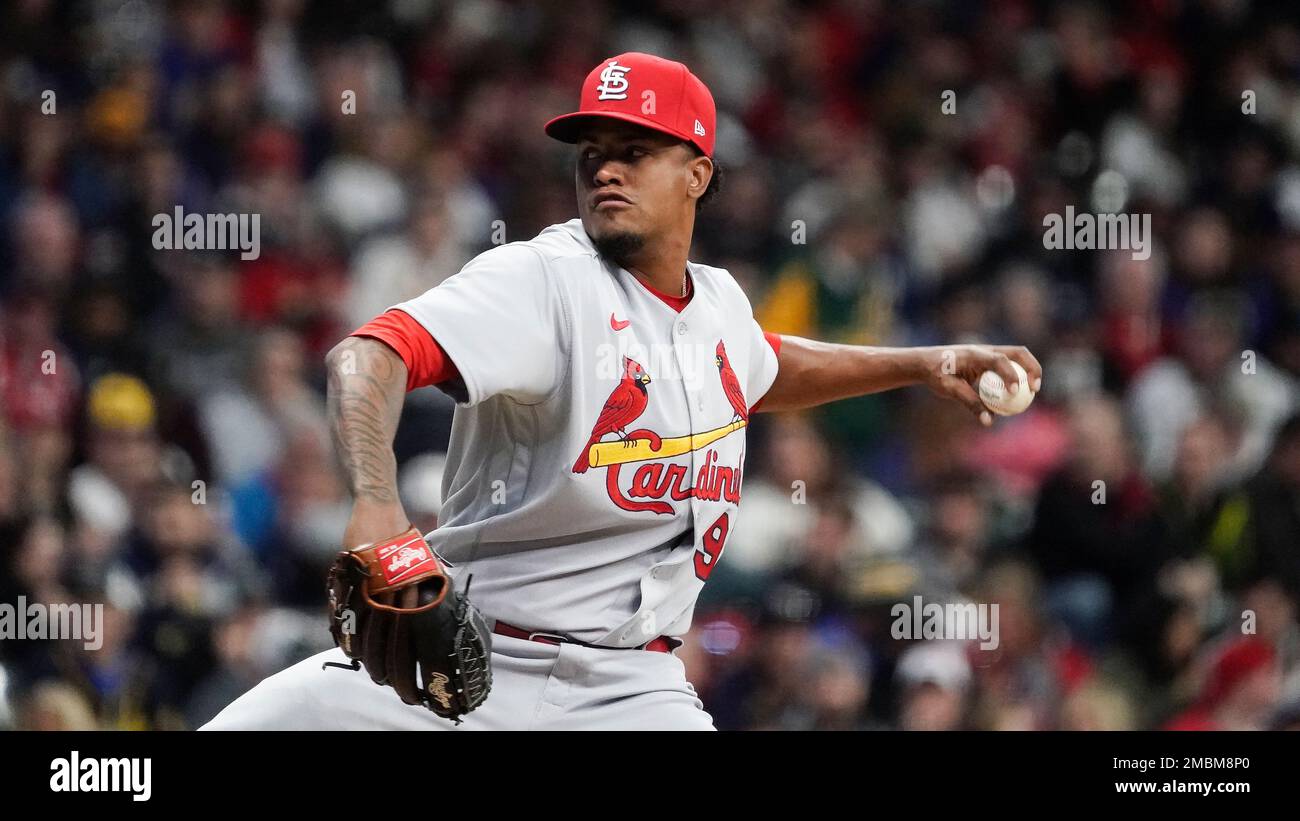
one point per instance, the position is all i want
(163, 447)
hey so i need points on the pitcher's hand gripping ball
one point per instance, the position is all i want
(996, 396)
(394, 610)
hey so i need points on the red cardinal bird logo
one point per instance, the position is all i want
(623, 406)
(730, 384)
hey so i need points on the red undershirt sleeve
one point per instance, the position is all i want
(426, 362)
(774, 340)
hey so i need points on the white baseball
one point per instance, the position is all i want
(995, 396)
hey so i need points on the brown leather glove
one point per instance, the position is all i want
(394, 610)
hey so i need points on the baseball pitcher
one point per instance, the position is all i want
(604, 387)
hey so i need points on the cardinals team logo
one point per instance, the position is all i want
(653, 478)
(730, 384)
(613, 82)
(622, 408)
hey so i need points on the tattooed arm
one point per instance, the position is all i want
(366, 389)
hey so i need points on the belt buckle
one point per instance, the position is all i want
(555, 638)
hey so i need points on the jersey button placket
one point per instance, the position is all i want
(691, 362)
(681, 349)
(695, 391)
(688, 371)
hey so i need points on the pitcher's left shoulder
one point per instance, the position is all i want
(721, 282)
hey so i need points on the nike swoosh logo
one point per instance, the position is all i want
(618, 325)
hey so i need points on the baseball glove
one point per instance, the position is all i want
(394, 610)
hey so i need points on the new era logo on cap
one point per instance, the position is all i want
(646, 90)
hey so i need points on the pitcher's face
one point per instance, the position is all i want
(634, 182)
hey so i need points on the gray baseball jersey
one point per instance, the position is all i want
(596, 464)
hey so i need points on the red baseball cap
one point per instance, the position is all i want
(646, 90)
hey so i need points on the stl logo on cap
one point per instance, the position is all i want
(613, 81)
(668, 98)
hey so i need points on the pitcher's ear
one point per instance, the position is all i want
(699, 169)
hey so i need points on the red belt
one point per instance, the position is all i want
(663, 644)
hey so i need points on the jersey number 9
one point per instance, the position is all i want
(706, 558)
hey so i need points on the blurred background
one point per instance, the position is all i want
(854, 209)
